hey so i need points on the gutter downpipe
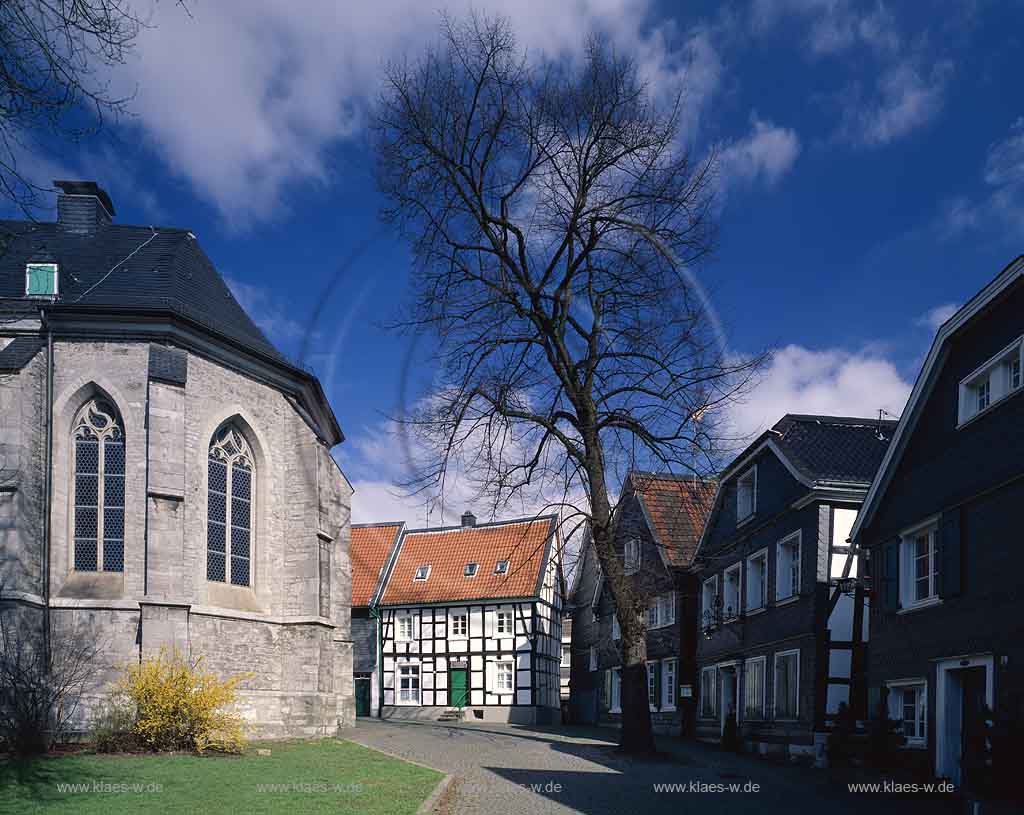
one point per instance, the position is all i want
(47, 492)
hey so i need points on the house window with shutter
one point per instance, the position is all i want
(631, 556)
(731, 592)
(919, 566)
(787, 684)
(787, 574)
(652, 685)
(668, 684)
(504, 677)
(753, 688)
(757, 580)
(41, 279)
(404, 628)
(614, 690)
(746, 495)
(408, 684)
(708, 692)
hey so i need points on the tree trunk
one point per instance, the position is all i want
(636, 735)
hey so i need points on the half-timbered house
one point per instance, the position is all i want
(470, 622)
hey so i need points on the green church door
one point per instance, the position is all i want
(457, 679)
(362, 696)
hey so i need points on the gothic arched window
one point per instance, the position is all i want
(229, 508)
(99, 488)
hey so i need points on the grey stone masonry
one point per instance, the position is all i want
(290, 627)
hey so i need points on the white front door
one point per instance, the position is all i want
(958, 685)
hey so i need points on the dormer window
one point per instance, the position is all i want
(422, 572)
(470, 570)
(41, 280)
(746, 495)
(501, 567)
(994, 381)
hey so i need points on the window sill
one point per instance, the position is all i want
(669, 709)
(615, 710)
(921, 606)
(745, 519)
(916, 744)
(750, 612)
(785, 601)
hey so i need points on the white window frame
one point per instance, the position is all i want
(661, 611)
(593, 658)
(631, 556)
(762, 711)
(775, 685)
(501, 630)
(566, 656)
(408, 702)
(54, 270)
(669, 681)
(761, 555)
(615, 696)
(400, 620)
(747, 481)
(737, 569)
(500, 666)
(616, 629)
(908, 563)
(708, 693)
(653, 685)
(424, 570)
(781, 546)
(996, 375)
(454, 624)
(501, 567)
(707, 602)
(921, 685)
(470, 569)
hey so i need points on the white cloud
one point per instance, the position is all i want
(834, 26)
(765, 154)
(906, 97)
(935, 317)
(1002, 207)
(825, 382)
(245, 99)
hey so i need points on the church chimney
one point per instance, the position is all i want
(83, 206)
(468, 519)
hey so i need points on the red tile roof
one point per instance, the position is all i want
(371, 545)
(525, 544)
(677, 508)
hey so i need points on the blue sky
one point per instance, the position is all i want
(872, 177)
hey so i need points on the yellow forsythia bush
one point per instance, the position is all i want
(181, 706)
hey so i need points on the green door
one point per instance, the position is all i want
(457, 679)
(362, 696)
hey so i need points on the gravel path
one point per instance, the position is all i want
(507, 770)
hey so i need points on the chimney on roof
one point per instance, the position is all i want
(468, 519)
(83, 206)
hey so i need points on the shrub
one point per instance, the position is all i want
(179, 705)
(113, 728)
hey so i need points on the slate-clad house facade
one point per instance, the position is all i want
(166, 479)
(470, 622)
(658, 523)
(942, 524)
(372, 547)
(783, 620)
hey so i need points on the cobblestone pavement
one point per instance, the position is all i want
(507, 770)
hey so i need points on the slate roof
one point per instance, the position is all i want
(161, 268)
(834, 448)
(371, 544)
(19, 352)
(676, 508)
(525, 543)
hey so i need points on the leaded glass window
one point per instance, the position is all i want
(98, 489)
(229, 509)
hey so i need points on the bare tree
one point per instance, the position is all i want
(51, 83)
(42, 685)
(555, 216)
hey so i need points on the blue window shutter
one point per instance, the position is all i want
(892, 575)
(949, 554)
(42, 279)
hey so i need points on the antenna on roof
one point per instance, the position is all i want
(878, 430)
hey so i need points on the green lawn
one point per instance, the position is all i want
(321, 776)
